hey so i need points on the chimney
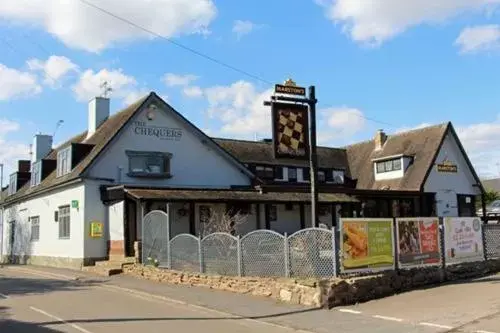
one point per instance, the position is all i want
(23, 166)
(380, 138)
(98, 113)
(42, 145)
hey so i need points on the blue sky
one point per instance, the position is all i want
(375, 64)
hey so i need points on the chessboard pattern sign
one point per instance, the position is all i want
(290, 130)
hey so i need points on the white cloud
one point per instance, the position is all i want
(375, 21)
(15, 83)
(173, 80)
(10, 151)
(479, 38)
(89, 84)
(54, 68)
(240, 109)
(339, 123)
(81, 26)
(242, 28)
(134, 95)
(193, 91)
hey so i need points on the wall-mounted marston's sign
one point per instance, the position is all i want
(290, 130)
(163, 133)
(447, 166)
(289, 89)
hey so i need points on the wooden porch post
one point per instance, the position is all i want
(302, 216)
(192, 223)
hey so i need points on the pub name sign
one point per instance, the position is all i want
(162, 133)
(447, 166)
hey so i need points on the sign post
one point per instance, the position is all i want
(294, 133)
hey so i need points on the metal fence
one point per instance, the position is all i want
(492, 240)
(308, 253)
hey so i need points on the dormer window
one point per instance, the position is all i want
(388, 166)
(149, 164)
(264, 172)
(36, 173)
(64, 161)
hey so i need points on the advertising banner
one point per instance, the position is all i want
(463, 239)
(367, 245)
(418, 242)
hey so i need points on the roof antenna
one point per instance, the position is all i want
(106, 89)
(58, 124)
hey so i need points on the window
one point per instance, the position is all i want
(64, 161)
(292, 174)
(321, 176)
(306, 174)
(35, 228)
(13, 183)
(338, 176)
(149, 164)
(278, 172)
(36, 173)
(388, 166)
(264, 172)
(64, 222)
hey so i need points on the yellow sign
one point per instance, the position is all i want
(447, 166)
(96, 229)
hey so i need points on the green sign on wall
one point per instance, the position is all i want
(74, 203)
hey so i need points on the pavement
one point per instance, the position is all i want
(39, 299)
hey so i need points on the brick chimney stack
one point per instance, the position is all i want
(380, 139)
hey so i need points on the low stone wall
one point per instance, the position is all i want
(287, 290)
(321, 293)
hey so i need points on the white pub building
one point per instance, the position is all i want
(147, 155)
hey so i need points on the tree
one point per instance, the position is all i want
(491, 195)
(221, 220)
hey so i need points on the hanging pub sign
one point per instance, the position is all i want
(447, 166)
(290, 130)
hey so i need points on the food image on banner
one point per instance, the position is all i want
(463, 239)
(418, 242)
(290, 127)
(367, 245)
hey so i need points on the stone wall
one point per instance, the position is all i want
(325, 293)
(287, 290)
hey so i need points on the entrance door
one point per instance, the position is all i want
(10, 241)
(466, 205)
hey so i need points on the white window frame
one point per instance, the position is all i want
(35, 228)
(12, 183)
(64, 220)
(36, 173)
(64, 161)
(166, 158)
(389, 163)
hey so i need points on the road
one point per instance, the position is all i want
(42, 300)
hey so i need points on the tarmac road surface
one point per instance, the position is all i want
(43, 300)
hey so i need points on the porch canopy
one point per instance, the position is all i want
(219, 195)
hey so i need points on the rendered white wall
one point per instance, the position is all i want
(287, 220)
(115, 213)
(96, 211)
(193, 163)
(49, 243)
(391, 174)
(447, 185)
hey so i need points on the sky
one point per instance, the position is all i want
(376, 64)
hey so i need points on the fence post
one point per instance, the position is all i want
(200, 254)
(483, 229)
(169, 255)
(442, 239)
(334, 252)
(239, 256)
(287, 255)
(395, 244)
